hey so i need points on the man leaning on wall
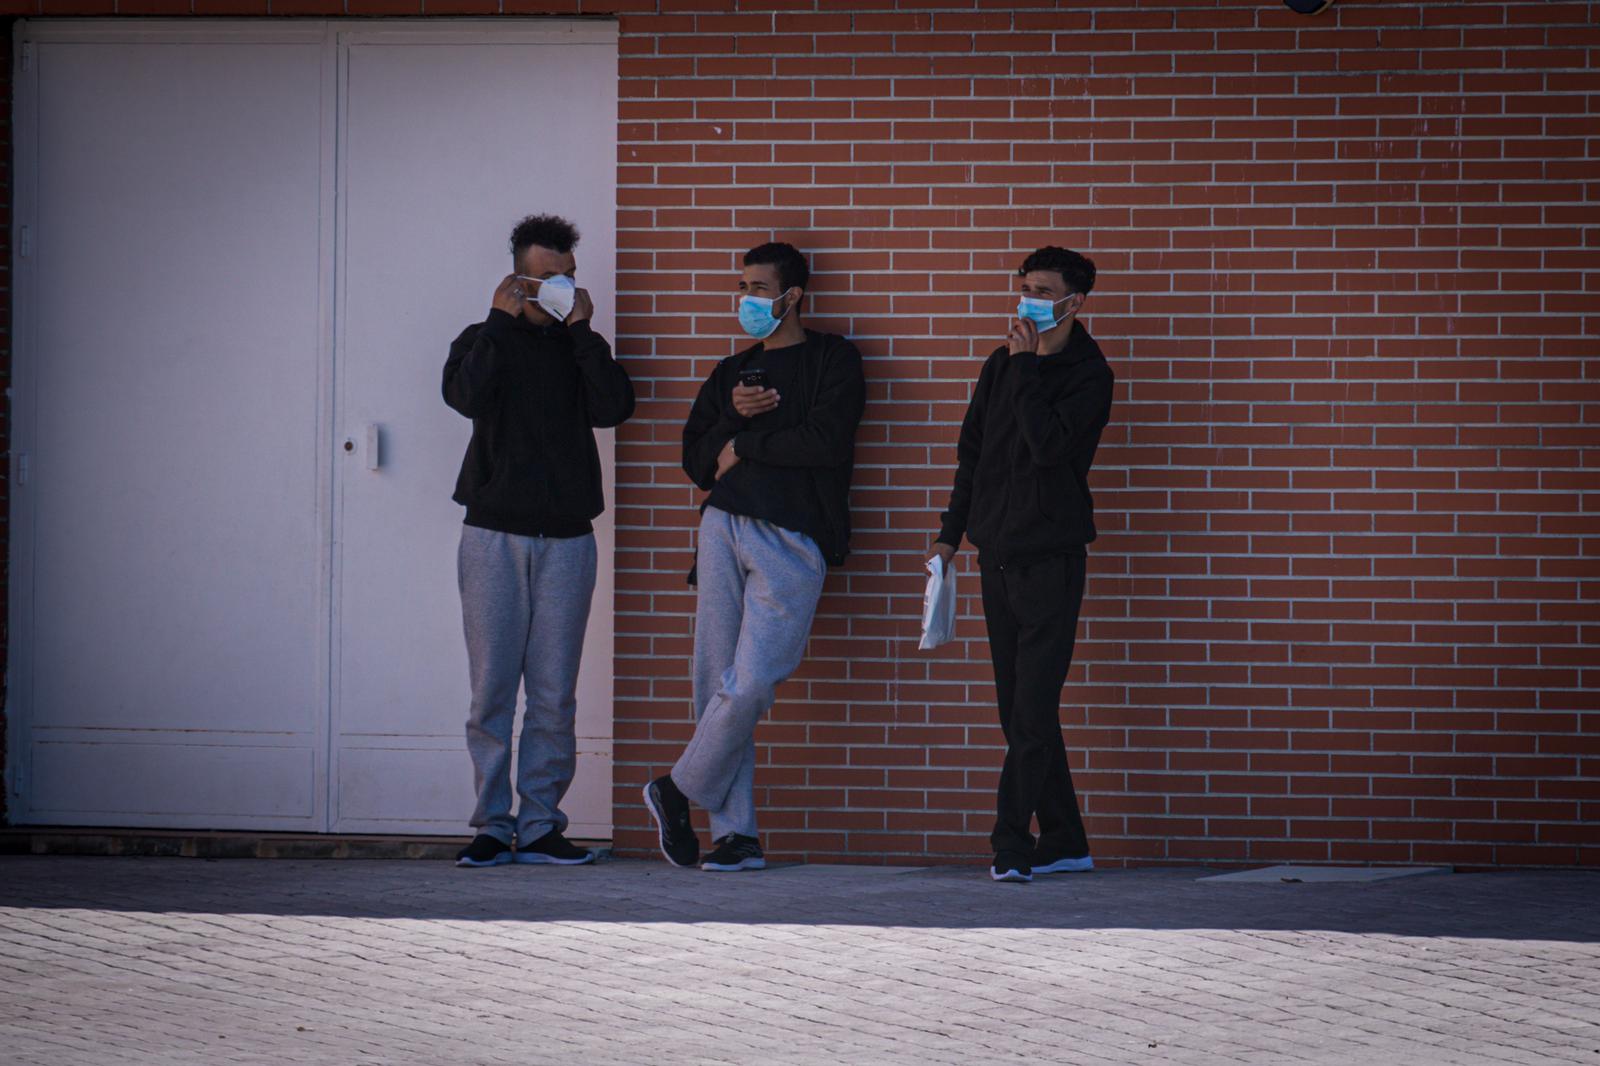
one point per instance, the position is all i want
(771, 435)
(1021, 496)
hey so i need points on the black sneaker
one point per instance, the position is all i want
(1011, 866)
(735, 852)
(670, 809)
(1044, 863)
(484, 850)
(554, 848)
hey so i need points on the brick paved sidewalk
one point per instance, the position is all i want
(176, 961)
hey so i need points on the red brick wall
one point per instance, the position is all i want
(1342, 604)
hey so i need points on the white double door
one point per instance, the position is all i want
(242, 252)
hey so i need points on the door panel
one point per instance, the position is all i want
(442, 152)
(227, 782)
(177, 559)
(220, 617)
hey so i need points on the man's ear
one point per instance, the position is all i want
(799, 294)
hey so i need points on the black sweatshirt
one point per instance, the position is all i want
(534, 394)
(1022, 477)
(796, 461)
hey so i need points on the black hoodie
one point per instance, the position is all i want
(535, 395)
(795, 462)
(1022, 477)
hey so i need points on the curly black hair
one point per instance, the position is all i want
(547, 231)
(791, 265)
(1076, 270)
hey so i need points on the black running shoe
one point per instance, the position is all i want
(484, 850)
(554, 848)
(670, 809)
(1011, 866)
(735, 852)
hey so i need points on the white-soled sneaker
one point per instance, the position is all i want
(554, 848)
(735, 852)
(484, 850)
(1011, 866)
(1079, 865)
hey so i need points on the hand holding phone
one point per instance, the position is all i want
(754, 394)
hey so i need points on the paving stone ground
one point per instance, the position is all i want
(178, 961)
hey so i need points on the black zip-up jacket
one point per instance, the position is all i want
(1022, 476)
(535, 395)
(813, 430)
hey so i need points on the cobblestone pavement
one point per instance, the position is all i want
(175, 961)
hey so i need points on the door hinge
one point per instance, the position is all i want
(24, 241)
(27, 56)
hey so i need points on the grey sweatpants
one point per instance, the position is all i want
(759, 586)
(524, 606)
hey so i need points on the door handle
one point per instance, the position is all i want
(374, 442)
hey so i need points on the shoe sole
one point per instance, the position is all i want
(474, 864)
(1011, 876)
(539, 858)
(661, 829)
(728, 868)
(1066, 866)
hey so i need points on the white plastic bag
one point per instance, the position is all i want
(938, 605)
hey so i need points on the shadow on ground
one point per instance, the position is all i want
(1513, 905)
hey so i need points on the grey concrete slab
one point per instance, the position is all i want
(826, 871)
(330, 963)
(1322, 875)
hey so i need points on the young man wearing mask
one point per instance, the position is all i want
(1022, 497)
(771, 436)
(536, 380)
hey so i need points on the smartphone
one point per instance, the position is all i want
(753, 379)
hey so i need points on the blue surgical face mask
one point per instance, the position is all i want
(755, 315)
(1041, 313)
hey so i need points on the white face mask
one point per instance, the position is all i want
(556, 295)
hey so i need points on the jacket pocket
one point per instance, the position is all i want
(479, 473)
(1059, 497)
